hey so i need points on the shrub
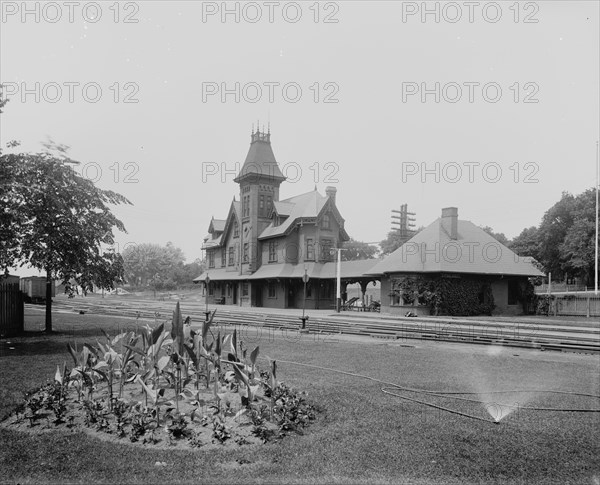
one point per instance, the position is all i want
(447, 295)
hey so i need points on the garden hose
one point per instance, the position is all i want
(435, 406)
(453, 395)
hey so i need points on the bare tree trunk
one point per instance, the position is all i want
(48, 301)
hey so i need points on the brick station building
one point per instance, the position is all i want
(258, 254)
(458, 251)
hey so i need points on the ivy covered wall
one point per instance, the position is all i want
(455, 295)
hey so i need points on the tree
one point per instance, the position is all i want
(394, 240)
(552, 232)
(564, 242)
(526, 243)
(498, 236)
(3, 100)
(57, 221)
(354, 250)
(577, 250)
(152, 264)
(185, 274)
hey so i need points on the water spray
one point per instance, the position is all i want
(455, 395)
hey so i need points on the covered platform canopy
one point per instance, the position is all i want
(351, 271)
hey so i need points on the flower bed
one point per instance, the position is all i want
(186, 388)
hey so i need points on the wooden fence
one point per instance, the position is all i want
(555, 287)
(576, 305)
(12, 310)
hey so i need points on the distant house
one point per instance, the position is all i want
(258, 254)
(453, 267)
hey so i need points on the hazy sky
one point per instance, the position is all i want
(501, 160)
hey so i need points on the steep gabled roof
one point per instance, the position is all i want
(211, 242)
(233, 215)
(216, 225)
(219, 228)
(282, 208)
(260, 161)
(309, 205)
(300, 206)
(473, 251)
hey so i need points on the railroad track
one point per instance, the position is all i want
(579, 336)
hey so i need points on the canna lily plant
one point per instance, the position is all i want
(174, 361)
(156, 396)
(244, 374)
(199, 352)
(115, 365)
(83, 374)
(153, 354)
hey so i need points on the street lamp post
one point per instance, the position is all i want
(305, 279)
(207, 281)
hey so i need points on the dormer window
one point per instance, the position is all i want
(325, 224)
(236, 229)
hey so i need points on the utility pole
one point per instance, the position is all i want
(596, 255)
(338, 277)
(403, 222)
(338, 293)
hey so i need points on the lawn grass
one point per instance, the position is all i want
(361, 436)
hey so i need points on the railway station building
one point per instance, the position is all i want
(260, 252)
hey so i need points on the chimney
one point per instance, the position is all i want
(450, 221)
(330, 192)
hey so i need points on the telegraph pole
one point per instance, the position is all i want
(403, 222)
(596, 255)
(338, 277)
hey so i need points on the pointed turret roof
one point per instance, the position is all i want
(260, 162)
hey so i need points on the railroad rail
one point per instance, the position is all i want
(540, 333)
